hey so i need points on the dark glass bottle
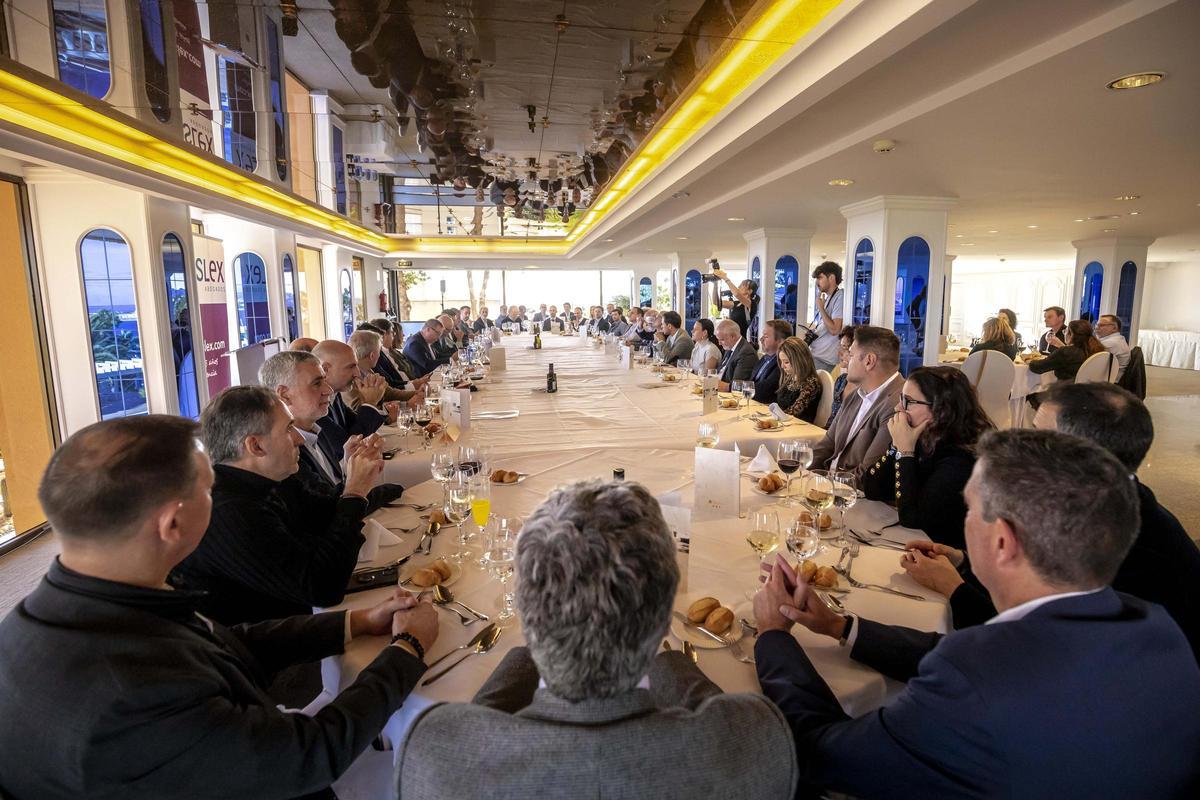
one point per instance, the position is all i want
(551, 381)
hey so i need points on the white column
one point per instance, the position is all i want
(770, 245)
(682, 262)
(888, 221)
(947, 282)
(1112, 253)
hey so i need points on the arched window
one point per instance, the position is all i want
(1089, 297)
(254, 316)
(787, 281)
(756, 272)
(279, 118)
(154, 60)
(179, 314)
(113, 324)
(239, 131)
(912, 297)
(864, 266)
(347, 304)
(645, 292)
(674, 289)
(289, 296)
(691, 298)
(339, 171)
(1126, 290)
(81, 43)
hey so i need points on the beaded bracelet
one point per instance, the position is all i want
(407, 637)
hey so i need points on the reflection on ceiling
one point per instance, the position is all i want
(514, 114)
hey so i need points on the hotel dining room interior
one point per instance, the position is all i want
(987, 184)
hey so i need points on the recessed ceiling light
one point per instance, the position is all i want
(1031, 227)
(1134, 213)
(958, 235)
(736, 219)
(608, 240)
(993, 231)
(1128, 197)
(1098, 217)
(968, 244)
(1136, 81)
(1109, 230)
(681, 195)
(1079, 220)
(841, 182)
(681, 238)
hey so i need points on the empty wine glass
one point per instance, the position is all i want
(441, 465)
(499, 555)
(748, 393)
(803, 538)
(707, 435)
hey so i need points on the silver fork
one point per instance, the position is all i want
(736, 648)
(857, 584)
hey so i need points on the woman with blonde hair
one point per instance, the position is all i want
(799, 387)
(997, 335)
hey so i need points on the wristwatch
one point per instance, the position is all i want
(846, 629)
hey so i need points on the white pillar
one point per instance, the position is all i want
(770, 245)
(888, 221)
(947, 282)
(1112, 253)
(682, 262)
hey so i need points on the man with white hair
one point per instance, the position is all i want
(482, 322)
(419, 348)
(367, 346)
(606, 713)
(740, 359)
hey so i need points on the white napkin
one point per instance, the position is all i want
(778, 413)
(370, 548)
(386, 537)
(763, 462)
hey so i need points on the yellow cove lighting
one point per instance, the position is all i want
(771, 29)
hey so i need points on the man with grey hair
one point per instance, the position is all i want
(367, 346)
(1072, 690)
(270, 550)
(588, 708)
(419, 348)
(740, 359)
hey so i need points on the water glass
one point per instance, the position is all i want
(499, 555)
(441, 465)
(845, 495)
(707, 435)
(456, 500)
(803, 538)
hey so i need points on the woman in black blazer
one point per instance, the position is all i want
(934, 430)
(1066, 360)
(997, 335)
(799, 387)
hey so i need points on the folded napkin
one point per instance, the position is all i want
(451, 432)
(778, 413)
(385, 537)
(763, 462)
(370, 548)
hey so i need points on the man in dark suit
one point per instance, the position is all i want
(482, 322)
(859, 434)
(128, 692)
(677, 345)
(419, 348)
(1162, 566)
(1055, 319)
(342, 422)
(550, 318)
(1040, 701)
(766, 374)
(740, 358)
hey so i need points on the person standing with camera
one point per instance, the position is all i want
(822, 334)
(743, 308)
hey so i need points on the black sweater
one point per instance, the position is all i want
(927, 491)
(1064, 361)
(1163, 567)
(110, 691)
(272, 549)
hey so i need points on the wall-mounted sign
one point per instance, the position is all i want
(209, 272)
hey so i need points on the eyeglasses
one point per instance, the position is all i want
(906, 401)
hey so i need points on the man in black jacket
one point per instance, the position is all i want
(126, 691)
(271, 550)
(1162, 566)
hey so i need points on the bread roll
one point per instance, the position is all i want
(771, 483)
(498, 475)
(808, 568)
(441, 568)
(511, 477)
(438, 516)
(826, 522)
(698, 611)
(825, 578)
(719, 620)
(425, 578)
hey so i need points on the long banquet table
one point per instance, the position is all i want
(555, 448)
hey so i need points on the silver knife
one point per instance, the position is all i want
(699, 629)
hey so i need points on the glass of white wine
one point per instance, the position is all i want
(498, 557)
(817, 493)
(707, 435)
(763, 537)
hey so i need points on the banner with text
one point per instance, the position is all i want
(209, 271)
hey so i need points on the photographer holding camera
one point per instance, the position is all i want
(743, 308)
(822, 332)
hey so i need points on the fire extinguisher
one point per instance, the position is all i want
(383, 303)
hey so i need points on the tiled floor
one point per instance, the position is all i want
(1172, 469)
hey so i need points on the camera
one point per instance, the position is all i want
(710, 277)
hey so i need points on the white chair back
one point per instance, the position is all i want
(1099, 368)
(994, 374)
(837, 370)
(825, 405)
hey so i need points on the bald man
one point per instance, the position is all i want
(342, 371)
(303, 344)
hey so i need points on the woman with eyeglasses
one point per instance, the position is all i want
(934, 430)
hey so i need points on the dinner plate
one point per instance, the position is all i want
(698, 639)
(410, 569)
(781, 492)
(521, 476)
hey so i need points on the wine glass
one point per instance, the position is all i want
(789, 460)
(471, 459)
(803, 538)
(456, 500)
(804, 453)
(498, 556)
(422, 417)
(845, 495)
(817, 493)
(748, 393)
(441, 465)
(763, 537)
(707, 435)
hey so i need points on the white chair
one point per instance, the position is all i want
(837, 370)
(825, 405)
(992, 374)
(1099, 368)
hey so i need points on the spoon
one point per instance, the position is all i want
(463, 618)
(476, 639)
(484, 641)
(443, 595)
(413, 506)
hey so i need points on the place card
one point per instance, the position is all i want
(718, 487)
(498, 358)
(711, 401)
(626, 356)
(456, 407)
(679, 521)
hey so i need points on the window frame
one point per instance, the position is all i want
(239, 294)
(107, 35)
(189, 296)
(167, 92)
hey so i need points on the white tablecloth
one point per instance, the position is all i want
(1177, 349)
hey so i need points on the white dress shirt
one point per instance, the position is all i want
(1017, 612)
(1115, 343)
(310, 444)
(864, 409)
(702, 352)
